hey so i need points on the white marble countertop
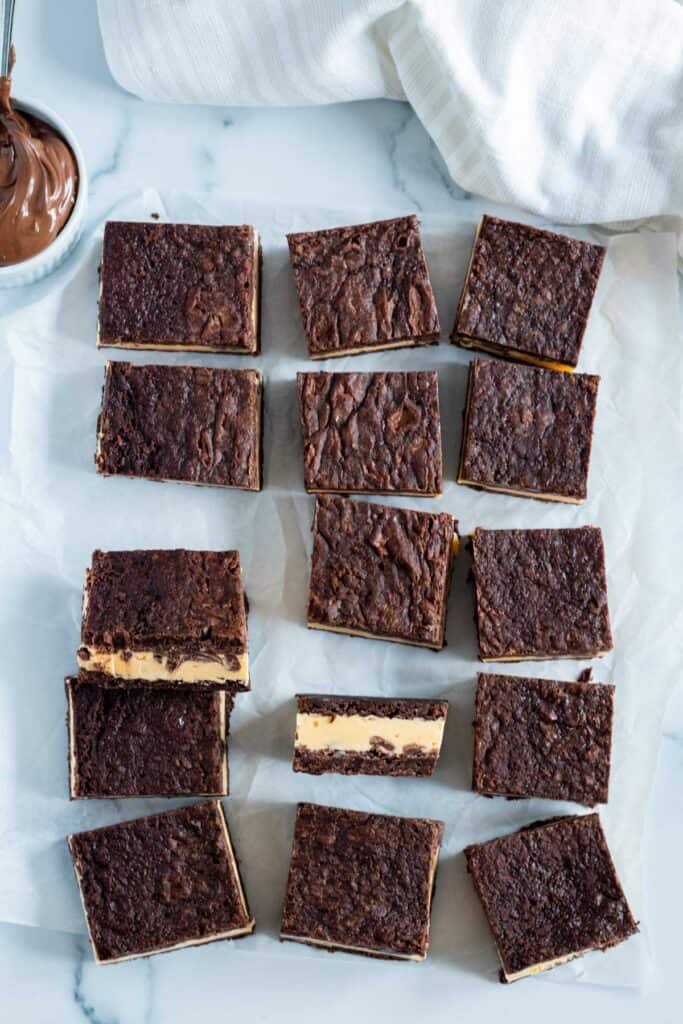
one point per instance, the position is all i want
(356, 155)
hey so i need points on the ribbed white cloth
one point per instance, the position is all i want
(570, 108)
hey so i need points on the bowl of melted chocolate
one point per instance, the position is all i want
(43, 189)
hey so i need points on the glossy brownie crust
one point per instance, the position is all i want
(175, 602)
(151, 884)
(184, 286)
(363, 287)
(380, 571)
(540, 594)
(143, 741)
(379, 760)
(371, 432)
(528, 292)
(540, 738)
(189, 423)
(361, 880)
(550, 891)
(528, 430)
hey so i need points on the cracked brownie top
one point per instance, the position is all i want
(361, 880)
(541, 593)
(539, 737)
(184, 286)
(193, 423)
(380, 571)
(550, 891)
(528, 430)
(372, 432)
(528, 291)
(363, 287)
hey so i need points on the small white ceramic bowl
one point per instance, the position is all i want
(43, 263)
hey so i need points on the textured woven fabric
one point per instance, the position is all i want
(569, 108)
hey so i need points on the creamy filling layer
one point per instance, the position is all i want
(362, 733)
(233, 934)
(416, 957)
(257, 286)
(374, 636)
(73, 768)
(166, 347)
(373, 490)
(546, 657)
(544, 965)
(150, 667)
(465, 341)
(402, 343)
(518, 492)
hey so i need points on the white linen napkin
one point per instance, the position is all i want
(572, 109)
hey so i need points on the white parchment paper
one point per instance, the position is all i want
(54, 510)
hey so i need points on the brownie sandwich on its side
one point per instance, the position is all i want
(550, 894)
(527, 294)
(183, 423)
(541, 738)
(367, 735)
(160, 883)
(372, 433)
(528, 431)
(137, 741)
(170, 616)
(540, 594)
(362, 883)
(179, 287)
(364, 288)
(381, 572)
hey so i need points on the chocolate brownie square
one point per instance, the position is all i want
(550, 893)
(184, 423)
(140, 740)
(373, 433)
(361, 882)
(368, 735)
(160, 883)
(187, 287)
(527, 294)
(541, 738)
(528, 431)
(169, 616)
(364, 288)
(540, 594)
(380, 572)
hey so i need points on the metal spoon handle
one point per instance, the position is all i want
(6, 23)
